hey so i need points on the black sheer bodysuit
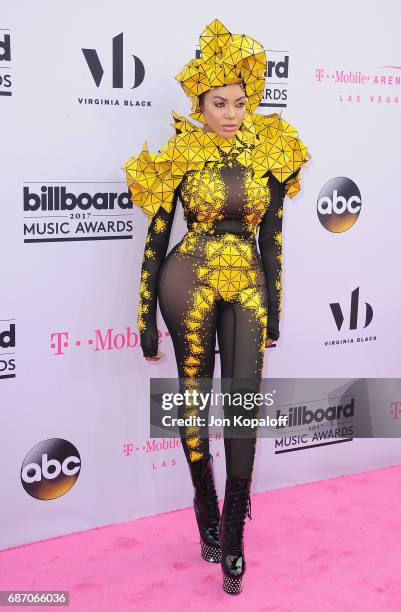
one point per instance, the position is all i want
(217, 283)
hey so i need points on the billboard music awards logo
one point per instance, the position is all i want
(7, 348)
(357, 316)
(50, 469)
(112, 66)
(316, 423)
(339, 204)
(5, 62)
(276, 92)
(75, 211)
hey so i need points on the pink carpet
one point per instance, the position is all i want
(322, 546)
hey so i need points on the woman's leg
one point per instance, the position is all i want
(190, 313)
(241, 337)
(241, 333)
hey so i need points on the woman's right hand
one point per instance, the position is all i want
(150, 344)
(155, 358)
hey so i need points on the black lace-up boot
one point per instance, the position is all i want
(237, 506)
(206, 508)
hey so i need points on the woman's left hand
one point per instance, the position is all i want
(269, 342)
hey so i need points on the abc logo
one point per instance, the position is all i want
(50, 469)
(339, 204)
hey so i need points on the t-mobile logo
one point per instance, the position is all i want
(97, 71)
(353, 320)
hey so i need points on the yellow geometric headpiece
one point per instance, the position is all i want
(225, 59)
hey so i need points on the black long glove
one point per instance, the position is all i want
(156, 245)
(270, 248)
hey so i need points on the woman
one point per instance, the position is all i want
(231, 176)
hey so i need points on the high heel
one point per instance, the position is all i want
(206, 508)
(237, 506)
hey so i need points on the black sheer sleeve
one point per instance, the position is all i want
(270, 248)
(156, 245)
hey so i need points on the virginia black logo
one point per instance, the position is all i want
(353, 313)
(50, 469)
(97, 71)
(5, 63)
(7, 348)
(339, 204)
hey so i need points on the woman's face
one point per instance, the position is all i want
(224, 109)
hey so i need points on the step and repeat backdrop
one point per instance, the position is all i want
(82, 86)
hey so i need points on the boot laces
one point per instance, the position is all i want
(240, 507)
(209, 495)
